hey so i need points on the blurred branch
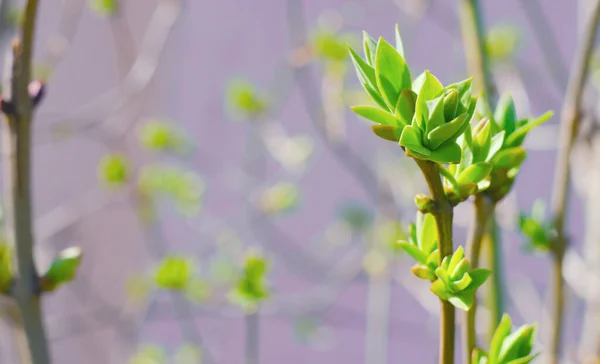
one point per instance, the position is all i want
(59, 43)
(471, 21)
(136, 81)
(546, 39)
(570, 118)
(361, 171)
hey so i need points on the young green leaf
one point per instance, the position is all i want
(428, 239)
(413, 251)
(411, 139)
(391, 72)
(509, 158)
(405, 106)
(495, 145)
(427, 86)
(462, 283)
(439, 289)
(458, 255)
(370, 46)
(518, 344)
(482, 141)
(516, 138)
(462, 301)
(436, 114)
(62, 269)
(450, 103)
(375, 114)
(447, 131)
(502, 331)
(446, 153)
(506, 114)
(475, 173)
(399, 45)
(366, 75)
(387, 132)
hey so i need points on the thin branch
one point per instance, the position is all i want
(483, 208)
(546, 38)
(471, 21)
(570, 119)
(443, 218)
(18, 157)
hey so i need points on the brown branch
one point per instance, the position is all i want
(570, 120)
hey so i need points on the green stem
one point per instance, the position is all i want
(494, 257)
(443, 215)
(17, 156)
(483, 209)
(471, 22)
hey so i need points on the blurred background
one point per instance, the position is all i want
(231, 207)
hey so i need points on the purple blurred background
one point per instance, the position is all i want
(94, 321)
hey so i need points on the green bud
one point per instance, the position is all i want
(505, 115)
(423, 272)
(457, 282)
(424, 203)
(450, 103)
(62, 269)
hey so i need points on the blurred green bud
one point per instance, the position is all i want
(197, 290)
(507, 347)
(114, 170)
(156, 135)
(185, 188)
(536, 229)
(457, 282)
(502, 42)
(251, 288)
(244, 101)
(279, 198)
(331, 46)
(188, 354)
(149, 354)
(62, 269)
(6, 266)
(173, 273)
(105, 7)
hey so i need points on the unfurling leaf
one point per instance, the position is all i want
(62, 269)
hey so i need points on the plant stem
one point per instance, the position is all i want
(252, 338)
(570, 118)
(483, 208)
(17, 157)
(443, 215)
(494, 255)
(471, 22)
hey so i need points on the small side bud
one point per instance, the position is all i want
(7, 107)
(424, 203)
(62, 270)
(37, 90)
